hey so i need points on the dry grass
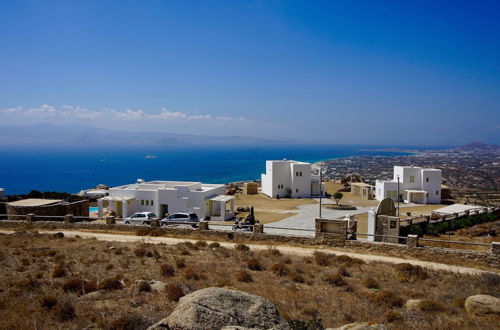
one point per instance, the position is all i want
(268, 210)
(254, 264)
(348, 197)
(324, 290)
(167, 270)
(174, 292)
(243, 276)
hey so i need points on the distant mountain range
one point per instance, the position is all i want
(479, 146)
(80, 135)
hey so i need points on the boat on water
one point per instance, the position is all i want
(151, 157)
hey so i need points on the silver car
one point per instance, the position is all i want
(180, 218)
(140, 218)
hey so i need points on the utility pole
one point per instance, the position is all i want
(398, 196)
(320, 190)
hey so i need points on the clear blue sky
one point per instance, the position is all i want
(378, 72)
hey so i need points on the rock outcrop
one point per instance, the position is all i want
(216, 308)
(413, 304)
(482, 304)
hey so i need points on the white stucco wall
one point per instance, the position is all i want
(300, 177)
(179, 196)
(288, 178)
(428, 180)
(433, 185)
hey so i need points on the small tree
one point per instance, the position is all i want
(338, 196)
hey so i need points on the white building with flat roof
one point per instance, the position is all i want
(290, 178)
(162, 197)
(416, 185)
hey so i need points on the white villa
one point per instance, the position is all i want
(290, 178)
(162, 197)
(416, 185)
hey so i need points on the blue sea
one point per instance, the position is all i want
(65, 169)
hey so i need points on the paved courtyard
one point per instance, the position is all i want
(302, 223)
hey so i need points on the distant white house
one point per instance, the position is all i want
(416, 185)
(162, 197)
(290, 178)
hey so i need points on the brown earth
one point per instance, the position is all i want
(267, 209)
(41, 282)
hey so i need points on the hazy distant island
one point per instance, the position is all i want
(81, 135)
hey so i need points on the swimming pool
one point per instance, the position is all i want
(93, 209)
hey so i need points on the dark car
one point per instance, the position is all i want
(180, 218)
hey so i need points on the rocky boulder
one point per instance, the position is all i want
(216, 308)
(413, 304)
(482, 304)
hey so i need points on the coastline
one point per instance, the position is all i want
(73, 170)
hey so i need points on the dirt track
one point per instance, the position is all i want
(302, 251)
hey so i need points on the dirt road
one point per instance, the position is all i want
(301, 251)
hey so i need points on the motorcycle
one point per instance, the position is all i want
(239, 226)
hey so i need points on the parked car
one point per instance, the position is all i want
(180, 218)
(140, 218)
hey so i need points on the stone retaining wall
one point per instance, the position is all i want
(490, 259)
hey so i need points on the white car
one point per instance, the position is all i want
(140, 218)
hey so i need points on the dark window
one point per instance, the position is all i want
(426, 179)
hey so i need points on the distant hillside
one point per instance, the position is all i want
(47, 134)
(479, 146)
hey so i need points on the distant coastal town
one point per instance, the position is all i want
(472, 172)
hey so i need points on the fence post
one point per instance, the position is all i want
(30, 217)
(68, 218)
(204, 225)
(258, 228)
(495, 248)
(412, 241)
(110, 220)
